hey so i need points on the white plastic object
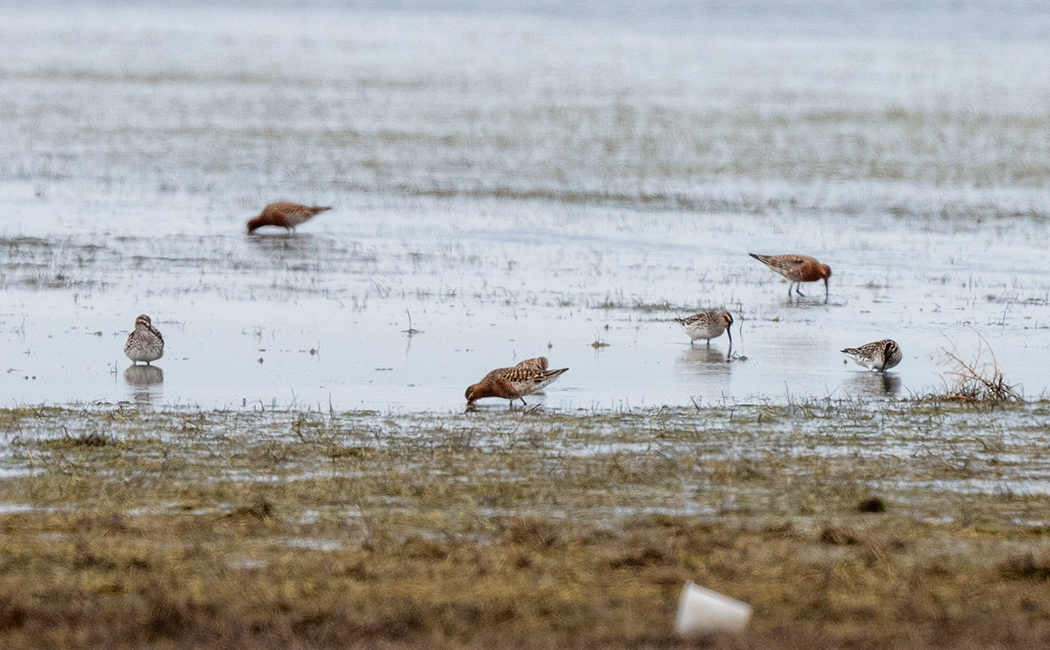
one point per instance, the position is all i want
(702, 611)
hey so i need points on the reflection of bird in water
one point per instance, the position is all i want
(702, 356)
(145, 382)
(145, 343)
(285, 214)
(526, 378)
(877, 384)
(143, 375)
(707, 362)
(876, 357)
(707, 325)
(797, 269)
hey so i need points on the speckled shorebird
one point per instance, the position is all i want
(285, 214)
(797, 269)
(526, 378)
(707, 325)
(879, 356)
(145, 343)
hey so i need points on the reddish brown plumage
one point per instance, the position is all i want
(797, 269)
(284, 214)
(514, 383)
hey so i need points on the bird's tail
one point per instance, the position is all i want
(551, 374)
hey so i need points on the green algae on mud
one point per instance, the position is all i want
(186, 528)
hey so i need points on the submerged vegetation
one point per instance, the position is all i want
(888, 524)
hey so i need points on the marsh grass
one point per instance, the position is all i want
(979, 379)
(231, 529)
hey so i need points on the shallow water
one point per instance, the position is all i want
(516, 185)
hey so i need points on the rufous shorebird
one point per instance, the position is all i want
(797, 269)
(285, 214)
(528, 377)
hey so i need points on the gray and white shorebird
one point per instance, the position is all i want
(707, 325)
(145, 343)
(878, 356)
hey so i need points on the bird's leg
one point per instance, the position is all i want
(522, 398)
(709, 343)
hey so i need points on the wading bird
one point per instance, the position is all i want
(285, 214)
(879, 356)
(707, 325)
(145, 343)
(526, 378)
(797, 269)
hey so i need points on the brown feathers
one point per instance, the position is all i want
(284, 214)
(797, 269)
(145, 343)
(527, 377)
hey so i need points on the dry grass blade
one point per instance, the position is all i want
(977, 380)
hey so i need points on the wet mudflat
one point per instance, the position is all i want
(508, 183)
(900, 527)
